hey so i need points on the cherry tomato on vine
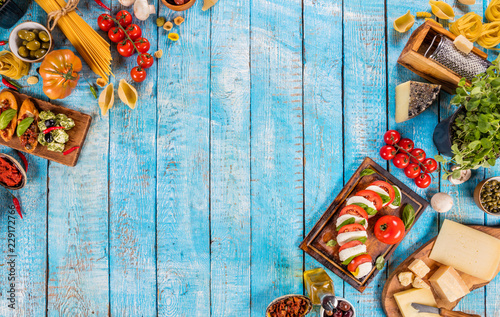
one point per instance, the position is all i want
(116, 34)
(423, 180)
(138, 74)
(145, 60)
(389, 229)
(401, 160)
(124, 18)
(105, 22)
(387, 152)
(406, 145)
(134, 31)
(418, 155)
(125, 48)
(142, 45)
(392, 137)
(412, 170)
(430, 164)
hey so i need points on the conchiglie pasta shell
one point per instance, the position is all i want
(127, 93)
(106, 99)
(404, 22)
(442, 10)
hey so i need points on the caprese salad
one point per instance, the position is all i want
(352, 222)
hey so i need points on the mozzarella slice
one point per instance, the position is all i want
(357, 219)
(380, 191)
(347, 253)
(364, 269)
(343, 238)
(396, 188)
(360, 200)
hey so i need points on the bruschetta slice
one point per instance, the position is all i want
(8, 102)
(27, 125)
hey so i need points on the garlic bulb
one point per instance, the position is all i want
(142, 9)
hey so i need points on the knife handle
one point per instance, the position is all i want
(449, 313)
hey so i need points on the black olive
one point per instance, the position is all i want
(50, 123)
(48, 138)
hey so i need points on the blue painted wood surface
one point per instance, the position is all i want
(194, 203)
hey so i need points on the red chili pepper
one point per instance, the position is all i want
(99, 2)
(3, 43)
(6, 83)
(17, 205)
(71, 150)
(25, 161)
(52, 129)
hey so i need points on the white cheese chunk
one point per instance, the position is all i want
(467, 250)
(364, 269)
(415, 295)
(413, 98)
(419, 283)
(405, 278)
(448, 284)
(345, 237)
(463, 44)
(357, 219)
(419, 268)
(347, 253)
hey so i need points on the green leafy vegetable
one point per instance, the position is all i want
(366, 172)
(397, 197)
(380, 263)
(346, 222)
(368, 210)
(385, 198)
(408, 216)
(7, 117)
(24, 125)
(362, 239)
(331, 243)
(362, 222)
(346, 262)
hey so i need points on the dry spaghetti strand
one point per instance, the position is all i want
(490, 37)
(469, 25)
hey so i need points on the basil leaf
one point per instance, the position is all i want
(24, 125)
(408, 216)
(385, 198)
(368, 210)
(366, 172)
(380, 263)
(362, 239)
(397, 197)
(346, 262)
(362, 222)
(346, 222)
(331, 243)
(7, 117)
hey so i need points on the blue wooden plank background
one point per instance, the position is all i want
(194, 203)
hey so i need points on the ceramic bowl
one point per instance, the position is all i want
(15, 42)
(309, 303)
(477, 197)
(182, 7)
(19, 167)
(322, 312)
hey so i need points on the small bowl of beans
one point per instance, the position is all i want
(30, 41)
(487, 195)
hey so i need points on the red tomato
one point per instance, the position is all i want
(412, 170)
(371, 196)
(124, 18)
(387, 188)
(357, 261)
(389, 229)
(145, 60)
(392, 137)
(401, 160)
(418, 155)
(350, 244)
(430, 165)
(116, 34)
(125, 48)
(406, 145)
(105, 22)
(142, 45)
(387, 152)
(423, 180)
(138, 74)
(134, 31)
(354, 210)
(352, 228)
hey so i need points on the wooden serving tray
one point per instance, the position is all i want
(76, 135)
(393, 286)
(315, 242)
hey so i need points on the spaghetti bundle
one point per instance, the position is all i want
(91, 46)
(490, 37)
(492, 12)
(469, 25)
(11, 66)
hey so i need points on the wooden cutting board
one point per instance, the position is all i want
(393, 286)
(77, 134)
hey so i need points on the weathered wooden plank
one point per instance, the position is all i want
(183, 230)
(365, 107)
(323, 144)
(78, 212)
(132, 188)
(230, 159)
(277, 151)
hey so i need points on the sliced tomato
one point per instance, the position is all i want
(351, 228)
(371, 196)
(357, 261)
(387, 188)
(350, 244)
(354, 210)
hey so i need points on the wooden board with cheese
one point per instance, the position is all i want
(445, 279)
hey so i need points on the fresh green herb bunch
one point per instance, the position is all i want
(476, 129)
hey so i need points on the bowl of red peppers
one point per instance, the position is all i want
(12, 173)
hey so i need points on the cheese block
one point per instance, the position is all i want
(463, 44)
(419, 268)
(420, 296)
(412, 98)
(467, 250)
(448, 284)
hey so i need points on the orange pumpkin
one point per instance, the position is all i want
(59, 71)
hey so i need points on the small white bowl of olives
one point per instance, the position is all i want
(30, 41)
(487, 195)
